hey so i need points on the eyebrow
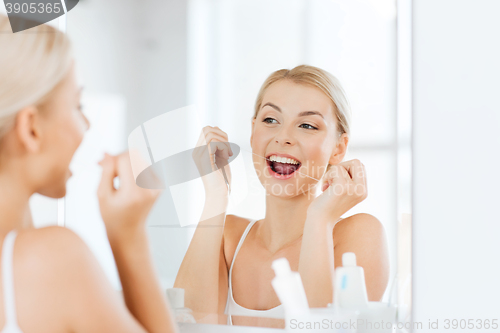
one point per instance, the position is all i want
(302, 114)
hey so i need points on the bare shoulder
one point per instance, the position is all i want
(234, 227)
(49, 240)
(361, 223)
(61, 287)
(364, 235)
(233, 230)
(47, 251)
(52, 266)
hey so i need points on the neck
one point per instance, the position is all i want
(285, 219)
(14, 202)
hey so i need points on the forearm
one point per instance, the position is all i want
(142, 291)
(316, 262)
(199, 271)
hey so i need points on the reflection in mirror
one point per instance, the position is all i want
(216, 56)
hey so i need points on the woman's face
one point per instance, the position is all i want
(63, 127)
(295, 129)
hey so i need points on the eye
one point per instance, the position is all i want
(266, 120)
(310, 126)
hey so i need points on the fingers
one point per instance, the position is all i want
(337, 174)
(120, 166)
(211, 132)
(218, 145)
(108, 174)
(355, 168)
(124, 171)
(349, 172)
(212, 151)
(360, 181)
(357, 173)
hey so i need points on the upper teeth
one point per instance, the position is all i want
(279, 159)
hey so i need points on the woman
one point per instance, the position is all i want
(50, 280)
(300, 133)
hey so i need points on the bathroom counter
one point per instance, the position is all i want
(206, 323)
(376, 313)
(212, 328)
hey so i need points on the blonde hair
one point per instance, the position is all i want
(32, 63)
(319, 78)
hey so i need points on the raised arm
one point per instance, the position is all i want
(124, 211)
(362, 234)
(203, 268)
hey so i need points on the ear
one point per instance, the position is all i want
(251, 136)
(339, 150)
(28, 128)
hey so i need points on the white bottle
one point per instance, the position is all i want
(181, 314)
(350, 288)
(290, 290)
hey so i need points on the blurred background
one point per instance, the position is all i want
(140, 59)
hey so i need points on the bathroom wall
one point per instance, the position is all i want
(131, 56)
(456, 121)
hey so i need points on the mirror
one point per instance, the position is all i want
(140, 60)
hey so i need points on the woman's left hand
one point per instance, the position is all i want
(125, 209)
(344, 186)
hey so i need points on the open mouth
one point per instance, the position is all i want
(283, 166)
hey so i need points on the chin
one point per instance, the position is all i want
(55, 192)
(287, 191)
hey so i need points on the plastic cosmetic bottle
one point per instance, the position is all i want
(350, 288)
(176, 298)
(290, 290)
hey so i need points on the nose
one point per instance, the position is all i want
(284, 137)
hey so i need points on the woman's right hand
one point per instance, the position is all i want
(125, 209)
(213, 144)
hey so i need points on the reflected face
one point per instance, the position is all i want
(295, 129)
(64, 126)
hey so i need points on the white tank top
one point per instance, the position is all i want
(234, 309)
(9, 303)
